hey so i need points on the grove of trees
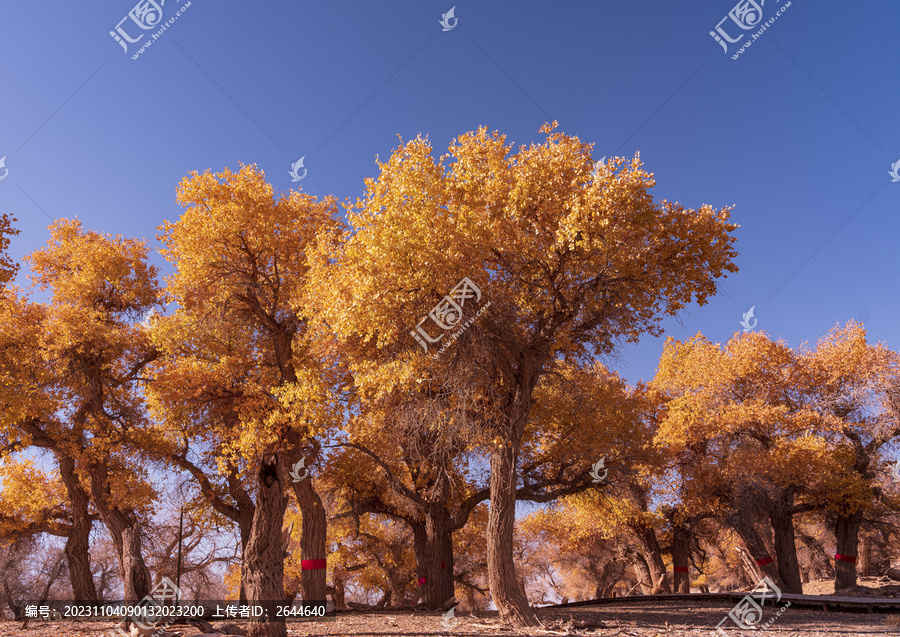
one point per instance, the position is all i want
(350, 399)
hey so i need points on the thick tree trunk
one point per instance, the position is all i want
(78, 557)
(757, 548)
(420, 550)
(126, 535)
(846, 532)
(508, 595)
(785, 546)
(438, 559)
(262, 569)
(653, 556)
(681, 554)
(642, 572)
(313, 541)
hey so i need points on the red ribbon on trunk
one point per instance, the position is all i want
(681, 569)
(312, 565)
(845, 558)
(421, 581)
(763, 561)
(442, 564)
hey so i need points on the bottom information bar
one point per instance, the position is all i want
(152, 611)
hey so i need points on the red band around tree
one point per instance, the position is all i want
(421, 581)
(845, 558)
(312, 565)
(681, 569)
(763, 561)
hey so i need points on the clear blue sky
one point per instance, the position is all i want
(799, 132)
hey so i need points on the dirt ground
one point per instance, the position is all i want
(664, 619)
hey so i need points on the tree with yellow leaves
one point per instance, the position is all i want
(408, 456)
(8, 268)
(245, 384)
(855, 388)
(583, 415)
(571, 259)
(746, 439)
(71, 374)
(765, 432)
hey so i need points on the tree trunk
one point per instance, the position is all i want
(758, 551)
(752, 573)
(420, 550)
(397, 584)
(438, 559)
(681, 554)
(313, 541)
(820, 563)
(866, 555)
(78, 557)
(642, 572)
(126, 535)
(262, 569)
(338, 592)
(508, 595)
(846, 532)
(653, 556)
(785, 547)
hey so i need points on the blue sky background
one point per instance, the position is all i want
(799, 132)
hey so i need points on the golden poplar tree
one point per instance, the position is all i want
(72, 375)
(244, 386)
(571, 260)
